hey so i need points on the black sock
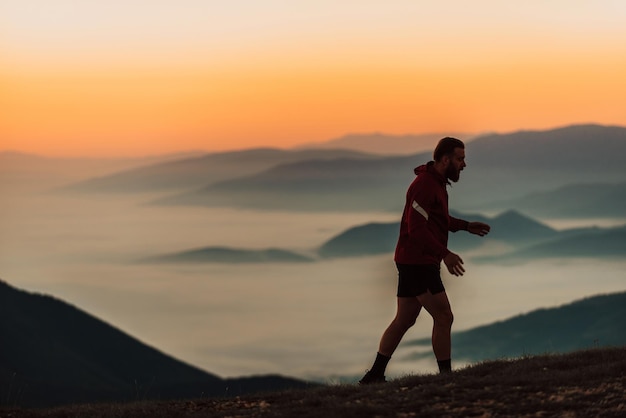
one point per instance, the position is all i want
(445, 366)
(380, 364)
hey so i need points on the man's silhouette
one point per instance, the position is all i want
(421, 247)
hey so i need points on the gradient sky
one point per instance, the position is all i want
(139, 77)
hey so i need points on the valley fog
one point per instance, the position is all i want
(319, 320)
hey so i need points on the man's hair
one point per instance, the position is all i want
(446, 146)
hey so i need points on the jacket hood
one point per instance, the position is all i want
(423, 168)
(429, 167)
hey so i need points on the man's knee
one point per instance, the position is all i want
(409, 322)
(444, 318)
(405, 322)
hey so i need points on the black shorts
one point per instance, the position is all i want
(416, 279)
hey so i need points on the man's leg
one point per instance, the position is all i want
(407, 311)
(438, 306)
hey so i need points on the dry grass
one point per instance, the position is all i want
(589, 383)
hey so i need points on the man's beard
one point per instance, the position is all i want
(452, 173)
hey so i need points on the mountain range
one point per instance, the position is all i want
(198, 171)
(501, 168)
(382, 144)
(229, 255)
(53, 353)
(526, 238)
(31, 172)
(572, 201)
(590, 242)
(591, 322)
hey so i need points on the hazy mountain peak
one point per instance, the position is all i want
(389, 144)
(513, 215)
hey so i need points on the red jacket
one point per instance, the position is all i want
(425, 221)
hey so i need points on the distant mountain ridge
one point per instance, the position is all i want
(509, 226)
(30, 171)
(190, 173)
(368, 239)
(499, 167)
(530, 239)
(572, 148)
(311, 185)
(590, 242)
(573, 200)
(385, 144)
(230, 255)
(53, 353)
(596, 321)
(527, 237)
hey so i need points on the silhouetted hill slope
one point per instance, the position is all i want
(378, 238)
(574, 200)
(189, 173)
(230, 255)
(53, 353)
(592, 322)
(499, 167)
(514, 227)
(372, 238)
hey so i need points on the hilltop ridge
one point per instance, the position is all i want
(587, 383)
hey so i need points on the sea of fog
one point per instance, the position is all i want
(318, 320)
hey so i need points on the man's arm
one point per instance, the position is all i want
(457, 224)
(478, 228)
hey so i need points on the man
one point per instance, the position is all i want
(421, 247)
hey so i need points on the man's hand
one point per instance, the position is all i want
(454, 264)
(478, 228)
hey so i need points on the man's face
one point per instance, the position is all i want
(456, 163)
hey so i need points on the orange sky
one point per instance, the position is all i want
(92, 83)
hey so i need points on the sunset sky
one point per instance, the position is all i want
(139, 77)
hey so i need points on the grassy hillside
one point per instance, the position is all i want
(587, 383)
